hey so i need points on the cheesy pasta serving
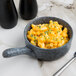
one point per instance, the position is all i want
(48, 36)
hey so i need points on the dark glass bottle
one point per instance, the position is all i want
(28, 9)
(8, 14)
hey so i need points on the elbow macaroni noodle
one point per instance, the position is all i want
(48, 36)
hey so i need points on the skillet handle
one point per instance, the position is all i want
(17, 51)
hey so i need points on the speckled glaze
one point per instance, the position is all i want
(40, 53)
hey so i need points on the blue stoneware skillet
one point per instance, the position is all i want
(40, 53)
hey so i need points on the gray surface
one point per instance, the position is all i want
(19, 65)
